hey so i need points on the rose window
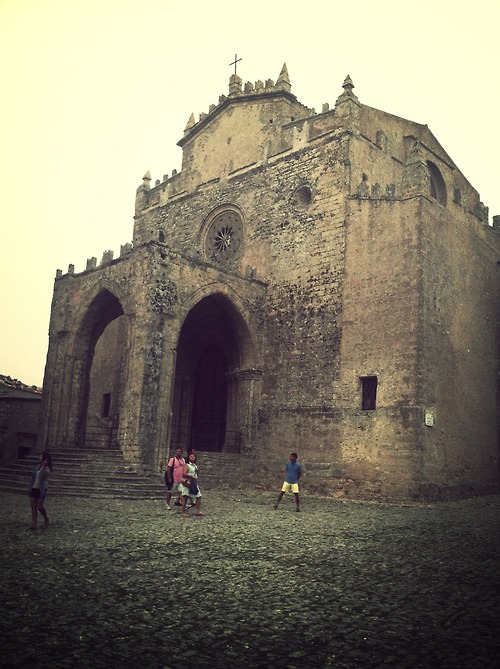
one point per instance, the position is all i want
(224, 236)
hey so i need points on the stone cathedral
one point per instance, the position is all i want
(320, 282)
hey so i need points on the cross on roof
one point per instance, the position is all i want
(236, 60)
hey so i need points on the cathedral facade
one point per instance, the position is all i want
(325, 283)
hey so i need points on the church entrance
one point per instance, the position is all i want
(208, 422)
(207, 397)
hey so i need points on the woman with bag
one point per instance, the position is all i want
(189, 486)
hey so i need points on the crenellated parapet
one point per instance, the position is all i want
(107, 259)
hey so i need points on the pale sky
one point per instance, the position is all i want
(97, 92)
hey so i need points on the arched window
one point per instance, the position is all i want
(438, 187)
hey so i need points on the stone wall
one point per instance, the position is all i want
(19, 415)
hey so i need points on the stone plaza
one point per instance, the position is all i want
(350, 585)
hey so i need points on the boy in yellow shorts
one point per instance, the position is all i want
(292, 476)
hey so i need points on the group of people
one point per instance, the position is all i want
(181, 477)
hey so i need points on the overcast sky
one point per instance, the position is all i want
(97, 92)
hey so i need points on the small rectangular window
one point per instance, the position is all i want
(368, 393)
(106, 405)
(23, 452)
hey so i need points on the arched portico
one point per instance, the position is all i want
(72, 352)
(94, 364)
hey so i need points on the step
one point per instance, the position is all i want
(104, 473)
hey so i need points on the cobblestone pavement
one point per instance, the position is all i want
(341, 584)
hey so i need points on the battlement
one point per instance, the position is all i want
(107, 259)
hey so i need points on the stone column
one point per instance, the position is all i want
(242, 405)
(180, 420)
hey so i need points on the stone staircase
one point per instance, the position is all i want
(105, 473)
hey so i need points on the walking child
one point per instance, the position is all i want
(293, 473)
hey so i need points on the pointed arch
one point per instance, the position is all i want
(98, 369)
(215, 376)
(437, 184)
(230, 306)
(101, 291)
